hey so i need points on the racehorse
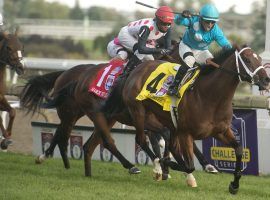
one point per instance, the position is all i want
(205, 109)
(11, 55)
(72, 100)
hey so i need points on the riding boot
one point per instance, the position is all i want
(114, 103)
(173, 88)
(132, 63)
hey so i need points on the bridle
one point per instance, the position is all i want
(250, 73)
(5, 59)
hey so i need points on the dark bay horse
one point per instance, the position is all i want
(72, 100)
(72, 106)
(10, 55)
(205, 109)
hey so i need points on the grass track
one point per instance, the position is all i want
(22, 179)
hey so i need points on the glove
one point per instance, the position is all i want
(186, 14)
(165, 52)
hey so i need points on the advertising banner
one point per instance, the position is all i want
(45, 141)
(244, 126)
(76, 145)
(105, 154)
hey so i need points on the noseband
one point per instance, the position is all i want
(250, 73)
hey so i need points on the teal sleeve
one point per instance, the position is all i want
(180, 20)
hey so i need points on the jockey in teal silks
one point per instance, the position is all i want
(200, 32)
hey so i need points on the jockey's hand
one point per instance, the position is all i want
(165, 52)
(186, 14)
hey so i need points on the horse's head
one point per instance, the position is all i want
(11, 52)
(250, 68)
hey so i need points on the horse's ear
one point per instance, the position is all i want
(236, 46)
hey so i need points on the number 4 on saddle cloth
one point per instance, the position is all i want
(157, 84)
(106, 78)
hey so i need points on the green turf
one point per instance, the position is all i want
(22, 179)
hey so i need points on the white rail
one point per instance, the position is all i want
(56, 64)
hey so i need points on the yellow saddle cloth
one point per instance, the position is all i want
(157, 84)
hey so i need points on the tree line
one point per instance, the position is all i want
(40, 9)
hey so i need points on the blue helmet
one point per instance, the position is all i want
(209, 12)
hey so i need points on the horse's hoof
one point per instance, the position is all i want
(39, 159)
(190, 180)
(210, 169)
(4, 145)
(232, 189)
(134, 170)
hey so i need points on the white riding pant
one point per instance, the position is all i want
(200, 56)
(116, 50)
(128, 41)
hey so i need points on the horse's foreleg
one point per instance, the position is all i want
(88, 149)
(12, 114)
(157, 141)
(183, 148)
(6, 132)
(228, 138)
(103, 129)
(154, 142)
(186, 145)
(138, 114)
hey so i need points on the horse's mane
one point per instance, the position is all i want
(219, 58)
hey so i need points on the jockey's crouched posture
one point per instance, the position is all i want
(201, 31)
(139, 38)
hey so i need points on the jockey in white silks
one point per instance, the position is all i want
(139, 38)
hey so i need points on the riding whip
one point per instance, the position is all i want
(148, 6)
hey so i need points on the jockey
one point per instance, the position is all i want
(201, 31)
(139, 38)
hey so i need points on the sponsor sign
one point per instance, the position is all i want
(45, 141)
(76, 143)
(105, 154)
(244, 126)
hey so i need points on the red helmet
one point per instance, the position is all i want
(165, 14)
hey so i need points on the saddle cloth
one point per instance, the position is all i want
(105, 78)
(157, 84)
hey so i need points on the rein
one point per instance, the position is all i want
(241, 76)
(237, 58)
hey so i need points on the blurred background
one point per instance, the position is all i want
(81, 29)
(59, 34)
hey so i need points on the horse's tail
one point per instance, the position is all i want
(37, 90)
